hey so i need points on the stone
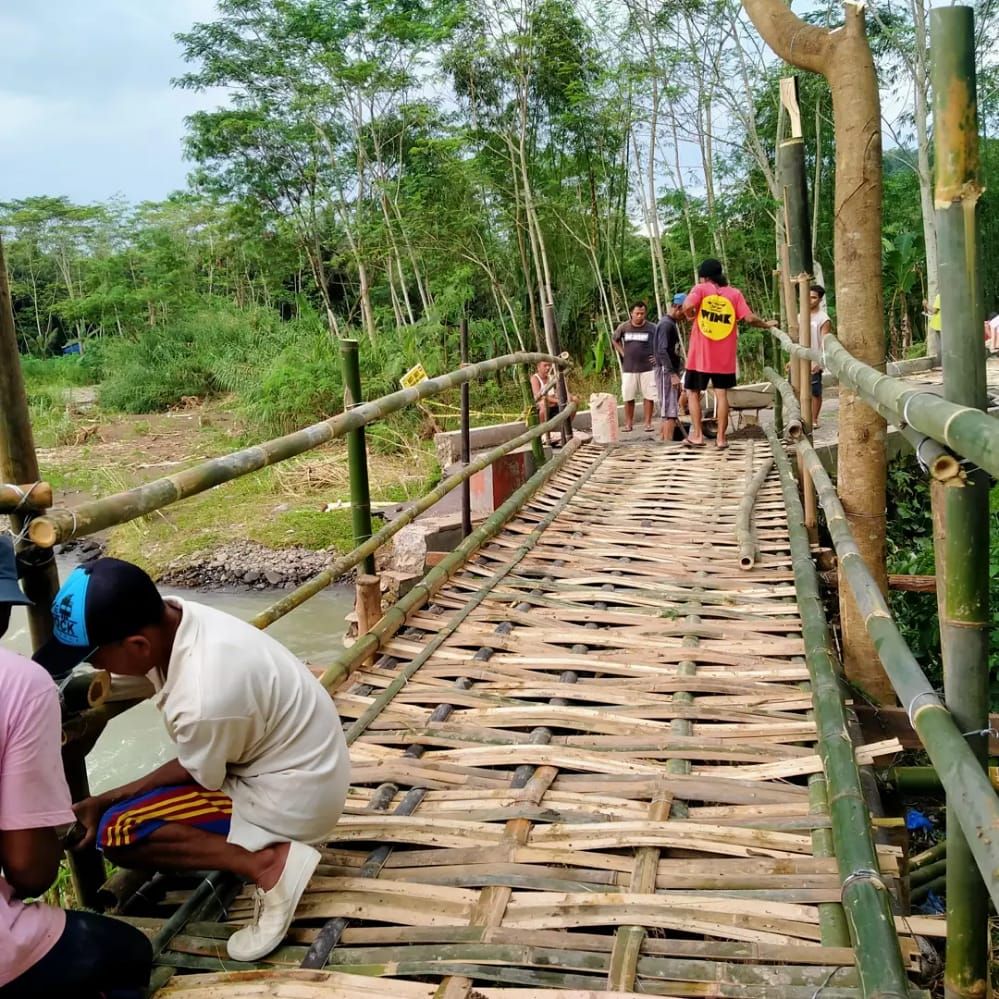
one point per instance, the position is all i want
(251, 576)
(273, 578)
(409, 549)
(603, 413)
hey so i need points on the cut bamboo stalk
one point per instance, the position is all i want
(60, 525)
(864, 894)
(29, 498)
(744, 523)
(793, 426)
(367, 603)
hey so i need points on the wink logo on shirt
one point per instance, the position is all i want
(716, 317)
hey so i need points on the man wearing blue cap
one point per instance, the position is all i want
(262, 767)
(46, 951)
(668, 366)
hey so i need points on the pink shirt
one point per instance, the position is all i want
(33, 795)
(715, 333)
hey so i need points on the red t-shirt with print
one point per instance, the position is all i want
(716, 327)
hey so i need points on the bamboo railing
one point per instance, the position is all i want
(59, 525)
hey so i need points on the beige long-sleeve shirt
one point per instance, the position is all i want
(249, 719)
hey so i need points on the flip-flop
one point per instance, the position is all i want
(648, 430)
(687, 442)
(722, 447)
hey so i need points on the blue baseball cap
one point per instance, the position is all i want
(679, 299)
(10, 592)
(100, 603)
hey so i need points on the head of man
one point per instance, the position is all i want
(815, 296)
(110, 614)
(676, 306)
(544, 370)
(638, 311)
(10, 592)
(711, 270)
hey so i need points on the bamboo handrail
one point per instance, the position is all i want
(794, 426)
(323, 579)
(60, 525)
(864, 896)
(967, 431)
(970, 793)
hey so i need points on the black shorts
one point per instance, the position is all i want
(698, 381)
(817, 385)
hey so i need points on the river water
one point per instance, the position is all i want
(136, 742)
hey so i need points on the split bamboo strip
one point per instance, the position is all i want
(321, 580)
(395, 616)
(864, 894)
(60, 525)
(793, 426)
(972, 799)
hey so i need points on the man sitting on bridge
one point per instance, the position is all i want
(45, 951)
(716, 309)
(262, 767)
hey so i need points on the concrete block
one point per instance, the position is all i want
(604, 418)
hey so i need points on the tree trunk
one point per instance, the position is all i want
(844, 57)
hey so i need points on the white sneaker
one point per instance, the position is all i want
(274, 910)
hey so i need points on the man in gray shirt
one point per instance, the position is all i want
(633, 340)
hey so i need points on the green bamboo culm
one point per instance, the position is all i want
(972, 798)
(357, 451)
(865, 897)
(790, 410)
(60, 525)
(961, 510)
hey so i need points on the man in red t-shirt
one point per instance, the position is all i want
(716, 310)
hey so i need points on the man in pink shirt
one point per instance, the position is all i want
(716, 309)
(45, 951)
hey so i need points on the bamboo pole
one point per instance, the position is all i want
(466, 441)
(395, 617)
(40, 576)
(551, 333)
(865, 897)
(357, 451)
(744, 515)
(60, 525)
(973, 799)
(961, 513)
(29, 498)
(791, 411)
(321, 580)
(804, 283)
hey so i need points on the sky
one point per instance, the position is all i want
(86, 105)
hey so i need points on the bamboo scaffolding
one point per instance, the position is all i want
(60, 525)
(961, 513)
(791, 411)
(864, 893)
(321, 580)
(974, 801)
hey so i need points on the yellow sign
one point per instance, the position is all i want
(413, 377)
(716, 317)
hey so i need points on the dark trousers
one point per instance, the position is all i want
(95, 956)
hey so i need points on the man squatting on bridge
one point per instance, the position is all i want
(716, 309)
(633, 342)
(262, 767)
(45, 951)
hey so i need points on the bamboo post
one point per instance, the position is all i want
(61, 525)
(804, 283)
(555, 348)
(961, 512)
(791, 415)
(466, 440)
(357, 450)
(789, 314)
(367, 605)
(19, 463)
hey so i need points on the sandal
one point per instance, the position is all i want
(687, 442)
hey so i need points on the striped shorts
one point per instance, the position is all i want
(134, 819)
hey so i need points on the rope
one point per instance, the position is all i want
(25, 495)
(930, 696)
(863, 874)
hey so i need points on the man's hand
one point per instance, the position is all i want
(771, 324)
(88, 813)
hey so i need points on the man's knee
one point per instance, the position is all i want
(121, 856)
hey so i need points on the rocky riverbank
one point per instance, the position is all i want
(239, 565)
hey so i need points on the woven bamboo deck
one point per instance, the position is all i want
(596, 780)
